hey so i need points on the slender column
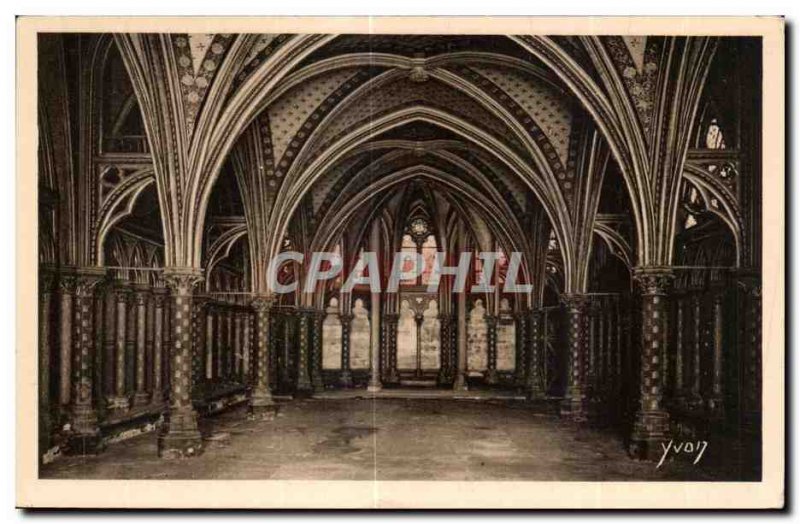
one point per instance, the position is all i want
(141, 397)
(109, 342)
(130, 345)
(247, 346)
(601, 373)
(209, 350)
(751, 353)
(120, 400)
(180, 436)
(84, 437)
(651, 425)
(46, 282)
(446, 366)
(491, 339)
(716, 402)
(346, 377)
(520, 347)
(697, 311)
(66, 284)
(535, 379)
(219, 346)
(261, 397)
(150, 343)
(304, 387)
(159, 297)
(390, 321)
(577, 323)
(230, 371)
(680, 384)
(316, 350)
(275, 346)
(591, 353)
(418, 319)
(199, 306)
(460, 383)
(238, 346)
(290, 332)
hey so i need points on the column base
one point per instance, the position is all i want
(576, 409)
(262, 407)
(180, 444)
(346, 379)
(490, 376)
(535, 394)
(460, 383)
(85, 444)
(374, 388)
(649, 433)
(392, 377)
(141, 398)
(181, 438)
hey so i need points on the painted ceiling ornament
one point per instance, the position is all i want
(198, 56)
(636, 58)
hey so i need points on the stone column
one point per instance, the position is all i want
(84, 435)
(520, 347)
(446, 366)
(66, 286)
(750, 352)
(247, 347)
(261, 397)
(219, 345)
(304, 387)
(130, 345)
(575, 405)
(346, 377)
(460, 383)
(120, 400)
(238, 346)
(491, 341)
(680, 384)
(716, 401)
(180, 436)
(651, 425)
(109, 342)
(535, 380)
(418, 319)
(160, 296)
(696, 399)
(230, 372)
(141, 397)
(46, 282)
(198, 342)
(318, 317)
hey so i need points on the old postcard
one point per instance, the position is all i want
(400, 263)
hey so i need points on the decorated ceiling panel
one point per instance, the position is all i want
(288, 114)
(548, 108)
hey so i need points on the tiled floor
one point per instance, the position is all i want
(391, 439)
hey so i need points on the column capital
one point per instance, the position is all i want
(182, 280)
(346, 318)
(575, 301)
(655, 280)
(87, 278)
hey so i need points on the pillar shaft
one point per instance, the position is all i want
(577, 344)
(180, 436)
(159, 298)
(316, 350)
(651, 425)
(120, 401)
(141, 397)
(46, 283)
(716, 399)
(535, 379)
(446, 365)
(85, 434)
(346, 377)
(261, 396)
(66, 284)
(491, 342)
(303, 376)
(520, 348)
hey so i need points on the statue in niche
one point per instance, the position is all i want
(477, 343)
(360, 337)
(332, 337)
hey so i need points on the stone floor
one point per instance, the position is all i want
(388, 439)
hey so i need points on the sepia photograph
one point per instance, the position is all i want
(400, 263)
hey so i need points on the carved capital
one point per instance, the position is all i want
(575, 301)
(86, 279)
(654, 280)
(67, 283)
(181, 281)
(160, 296)
(262, 302)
